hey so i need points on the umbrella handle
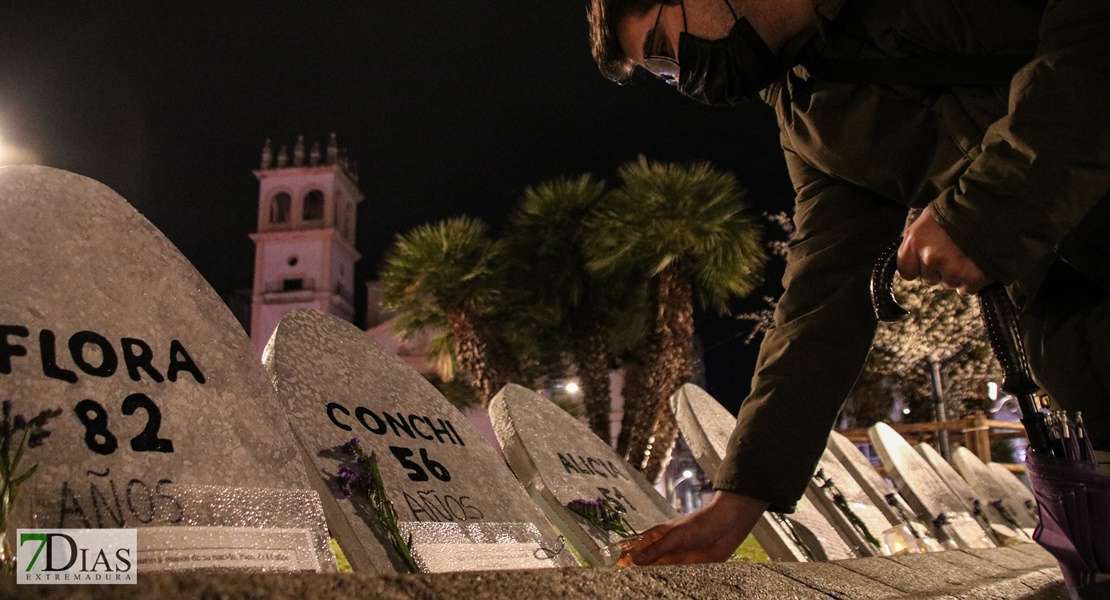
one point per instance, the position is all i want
(1001, 324)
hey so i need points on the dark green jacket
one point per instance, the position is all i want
(1016, 175)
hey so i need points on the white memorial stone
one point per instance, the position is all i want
(452, 493)
(804, 535)
(165, 409)
(863, 524)
(1015, 487)
(992, 492)
(965, 492)
(924, 490)
(883, 497)
(559, 461)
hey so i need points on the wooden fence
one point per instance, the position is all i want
(974, 432)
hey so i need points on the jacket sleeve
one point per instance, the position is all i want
(816, 347)
(1044, 165)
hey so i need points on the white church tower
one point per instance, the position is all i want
(305, 246)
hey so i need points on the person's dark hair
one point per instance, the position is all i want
(605, 44)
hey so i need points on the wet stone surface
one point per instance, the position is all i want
(561, 461)
(835, 580)
(159, 387)
(452, 492)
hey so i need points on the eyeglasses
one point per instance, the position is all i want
(656, 61)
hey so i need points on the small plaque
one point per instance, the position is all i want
(191, 548)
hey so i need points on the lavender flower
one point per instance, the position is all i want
(344, 479)
(36, 439)
(602, 513)
(353, 447)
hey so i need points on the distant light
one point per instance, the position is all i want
(992, 390)
(687, 473)
(572, 388)
(14, 155)
(905, 411)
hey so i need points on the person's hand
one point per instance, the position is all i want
(927, 252)
(709, 534)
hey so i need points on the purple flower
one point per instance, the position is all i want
(344, 479)
(37, 438)
(43, 418)
(19, 422)
(363, 481)
(353, 446)
(7, 407)
(891, 499)
(580, 504)
(839, 498)
(997, 504)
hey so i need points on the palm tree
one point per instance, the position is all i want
(443, 276)
(571, 308)
(684, 227)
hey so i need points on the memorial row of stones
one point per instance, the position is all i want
(171, 425)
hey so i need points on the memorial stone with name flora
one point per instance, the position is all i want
(560, 461)
(806, 534)
(168, 422)
(452, 493)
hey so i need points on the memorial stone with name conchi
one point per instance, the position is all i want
(926, 493)
(168, 422)
(965, 492)
(806, 534)
(991, 491)
(452, 493)
(560, 461)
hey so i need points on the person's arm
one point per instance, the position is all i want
(822, 331)
(807, 364)
(1046, 163)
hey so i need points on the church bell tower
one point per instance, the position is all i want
(305, 245)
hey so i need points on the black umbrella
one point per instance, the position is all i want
(1073, 497)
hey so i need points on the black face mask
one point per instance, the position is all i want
(729, 70)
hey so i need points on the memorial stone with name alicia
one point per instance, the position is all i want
(560, 461)
(804, 535)
(923, 489)
(981, 479)
(168, 422)
(452, 492)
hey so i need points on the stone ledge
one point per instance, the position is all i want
(964, 575)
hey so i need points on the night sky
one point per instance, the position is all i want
(449, 108)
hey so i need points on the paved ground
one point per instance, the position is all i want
(1026, 571)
